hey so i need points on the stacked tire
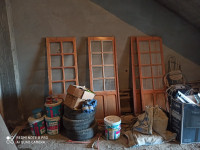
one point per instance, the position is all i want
(79, 126)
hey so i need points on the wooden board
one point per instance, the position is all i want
(104, 75)
(152, 71)
(62, 64)
(135, 78)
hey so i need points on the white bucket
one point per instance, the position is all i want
(37, 125)
(113, 127)
(53, 125)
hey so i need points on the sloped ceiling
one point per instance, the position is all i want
(187, 9)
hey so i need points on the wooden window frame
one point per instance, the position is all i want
(62, 54)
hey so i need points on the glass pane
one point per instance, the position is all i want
(144, 46)
(158, 83)
(96, 59)
(137, 83)
(98, 85)
(109, 71)
(135, 59)
(69, 73)
(68, 47)
(155, 45)
(69, 83)
(146, 71)
(57, 74)
(155, 58)
(96, 46)
(97, 72)
(136, 71)
(56, 61)
(157, 70)
(108, 59)
(107, 46)
(55, 48)
(57, 88)
(145, 59)
(68, 60)
(147, 84)
(109, 84)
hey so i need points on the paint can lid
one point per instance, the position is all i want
(33, 120)
(112, 120)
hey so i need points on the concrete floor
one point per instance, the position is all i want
(59, 142)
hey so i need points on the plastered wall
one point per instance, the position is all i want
(35, 20)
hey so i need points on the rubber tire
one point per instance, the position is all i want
(77, 114)
(81, 135)
(77, 124)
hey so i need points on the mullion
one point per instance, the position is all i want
(63, 71)
(151, 63)
(102, 65)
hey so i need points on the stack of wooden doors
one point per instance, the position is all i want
(147, 70)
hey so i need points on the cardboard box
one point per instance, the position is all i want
(80, 92)
(185, 121)
(73, 102)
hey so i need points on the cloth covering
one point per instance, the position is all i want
(88, 106)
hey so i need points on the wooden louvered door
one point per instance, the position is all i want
(152, 70)
(104, 75)
(62, 64)
(135, 78)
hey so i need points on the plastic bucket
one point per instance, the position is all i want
(112, 127)
(53, 125)
(37, 125)
(53, 109)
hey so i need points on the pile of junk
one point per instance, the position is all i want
(179, 122)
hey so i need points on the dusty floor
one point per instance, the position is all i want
(59, 142)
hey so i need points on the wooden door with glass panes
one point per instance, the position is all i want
(104, 75)
(62, 64)
(152, 71)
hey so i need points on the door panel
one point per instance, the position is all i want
(104, 75)
(110, 105)
(100, 107)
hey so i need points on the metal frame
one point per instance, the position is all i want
(62, 54)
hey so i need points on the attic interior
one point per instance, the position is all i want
(107, 74)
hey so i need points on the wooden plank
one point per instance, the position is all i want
(136, 92)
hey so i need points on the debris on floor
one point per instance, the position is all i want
(150, 129)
